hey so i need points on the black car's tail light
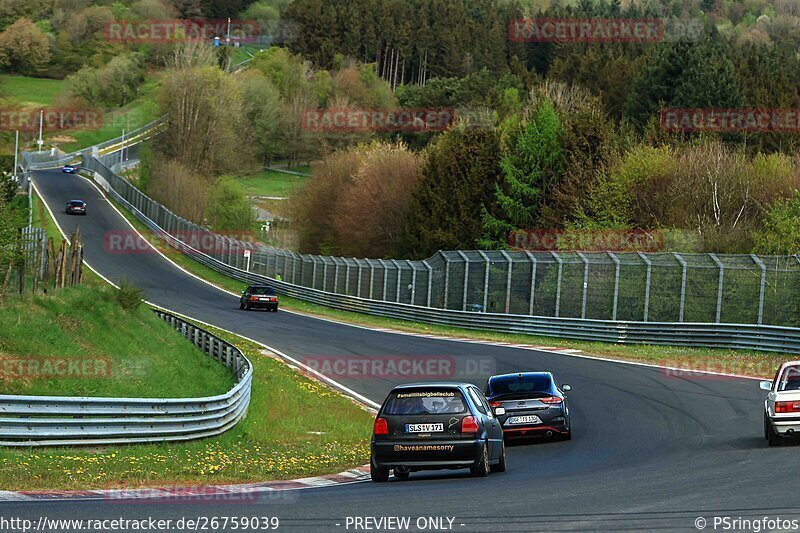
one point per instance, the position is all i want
(551, 400)
(787, 407)
(380, 427)
(469, 424)
(495, 403)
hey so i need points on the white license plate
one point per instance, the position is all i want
(424, 428)
(264, 299)
(530, 419)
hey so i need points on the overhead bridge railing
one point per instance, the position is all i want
(54, 420)
(373, 287)
(46, 159)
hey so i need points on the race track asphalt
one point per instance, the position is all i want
(650, 451)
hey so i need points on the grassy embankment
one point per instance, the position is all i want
(295, 426)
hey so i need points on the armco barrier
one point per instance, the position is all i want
(53, 420)
(712, 335)
(43, 161)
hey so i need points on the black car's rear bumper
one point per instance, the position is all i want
(76, 211)
(556, 423)
(262, 305)
(427, 455)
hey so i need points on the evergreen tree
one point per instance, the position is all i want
(531, 161)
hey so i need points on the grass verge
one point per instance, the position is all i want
(295, 427)
(744, 362)
(86, 324)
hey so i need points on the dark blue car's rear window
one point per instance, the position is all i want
(513, 384)
(76, 203)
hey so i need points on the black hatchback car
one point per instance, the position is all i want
(259, 297)
(76, 207)
(433, 426)
(533, 404)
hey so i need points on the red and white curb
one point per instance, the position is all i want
(237, 492)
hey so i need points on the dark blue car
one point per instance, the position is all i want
(69, 169)
(532, 404)
(433, 426)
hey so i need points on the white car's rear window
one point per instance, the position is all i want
(790, 379)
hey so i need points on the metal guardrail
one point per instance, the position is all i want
(43, 161)
(54, 420)
(710, 335)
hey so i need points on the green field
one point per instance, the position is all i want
(23, 91)
(271, 183)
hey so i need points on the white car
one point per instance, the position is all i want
(782, 406)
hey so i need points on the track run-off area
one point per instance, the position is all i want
(650, 451)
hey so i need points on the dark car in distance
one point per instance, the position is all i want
(259, 297)
(76, 207)
(532, 404)
(433, 426)
(69, 169)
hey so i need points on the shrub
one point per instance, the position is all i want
(128, 296)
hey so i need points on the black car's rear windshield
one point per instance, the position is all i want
(76, 203)
(263, 290)
(425, 402)
(524, 384)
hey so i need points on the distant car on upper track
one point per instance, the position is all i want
(76, 207)
(259, 296)
(69, 169)
(432, 426)
(533, 404)
(782, 406)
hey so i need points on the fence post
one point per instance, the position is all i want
(385, 276)
(533, 280)
(683, 284)
(719, 285)
(399, 273)
(413, 281)
(324, 274)
(487, 262)
(358, 292)
(314, 273)
(466, 280)
(430, 284)
(510, 262)
(371, 278)
(558, 283)
(346, 277)
(647, 285)
(758, 262)
(616, 285)
(335, 275)
(446, 279)
(585, 283)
